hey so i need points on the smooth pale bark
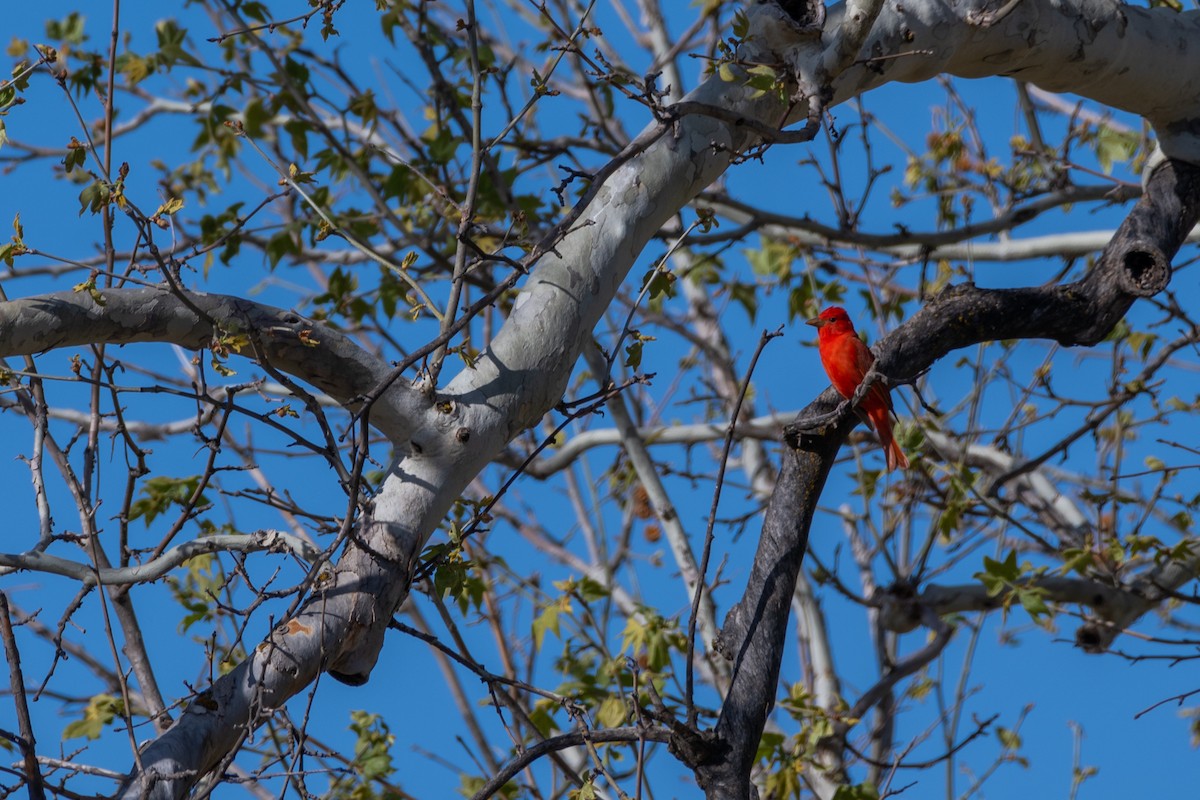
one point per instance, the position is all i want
(512, 385)
(1124, 57)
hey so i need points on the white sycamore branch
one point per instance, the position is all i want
(88, 575)
(1105, 51)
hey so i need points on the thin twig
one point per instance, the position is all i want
(712, 521)
(16, 682)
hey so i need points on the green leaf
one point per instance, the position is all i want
(764, 79)
(171, 40)
(633, 351)
(1006, 570)
(773, 260)
(590, 590)
(658, 282)
(135, 68)
(1033, 601)
(1114, 146)
(1119, 332)
(863, 791)
(94, 197)
(741, 24)
(255, 117)
(1076, 560)
(611, 713)
(747, 295)
(585, 792)
(281, 244)
(442, 145)
(1009, 739)
(652, 636)
(101, 710)
(162, 492)
(69, 30)
(89, 286)
(363, 106)
(298, 131)
(633, 355)
(545, 622)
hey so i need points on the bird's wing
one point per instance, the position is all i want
(865, 360)
(862, 356)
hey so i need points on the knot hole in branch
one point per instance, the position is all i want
(1145, 271)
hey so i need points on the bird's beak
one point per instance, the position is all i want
(816, 322)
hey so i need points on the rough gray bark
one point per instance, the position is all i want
(278, 337)
(1135, 264)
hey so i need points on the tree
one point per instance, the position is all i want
(456, 355)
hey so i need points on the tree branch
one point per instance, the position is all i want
(87, 575)
(1135, 264)
(34, 781)
(291, 343)
(574, 739)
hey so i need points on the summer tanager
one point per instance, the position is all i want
(846, 360)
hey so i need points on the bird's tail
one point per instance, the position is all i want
(881, 421)
(895, 456)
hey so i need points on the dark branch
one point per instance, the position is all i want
(1135, 264)
(574, 739)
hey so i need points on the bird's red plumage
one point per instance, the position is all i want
(847, 360)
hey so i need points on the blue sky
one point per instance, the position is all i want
(1145, 757)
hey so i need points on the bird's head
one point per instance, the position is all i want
(835, 316)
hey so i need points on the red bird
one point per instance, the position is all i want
(847, 360)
